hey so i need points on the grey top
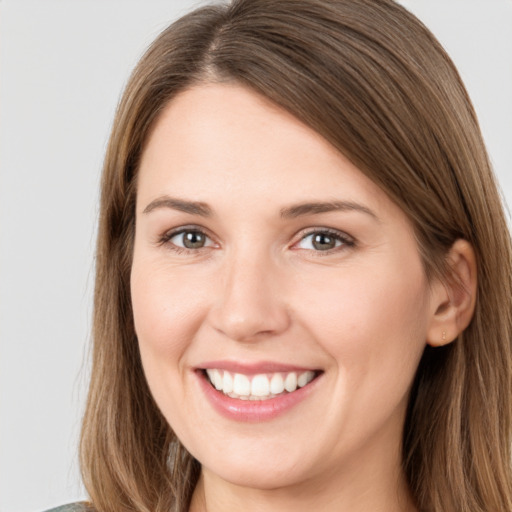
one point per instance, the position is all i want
(79, 506)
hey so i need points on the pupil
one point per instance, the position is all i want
(193, 240)
(323, 242)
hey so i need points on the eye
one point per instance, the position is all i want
(188, 239)
(324, 240)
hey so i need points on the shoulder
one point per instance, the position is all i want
(79, 506)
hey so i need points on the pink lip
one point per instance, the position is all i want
(252, 368)
(257, 410)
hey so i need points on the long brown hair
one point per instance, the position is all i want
(372, 80)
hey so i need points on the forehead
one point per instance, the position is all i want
(224, 142)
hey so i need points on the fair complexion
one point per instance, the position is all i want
(260, 249)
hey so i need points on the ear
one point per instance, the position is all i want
(453, 300)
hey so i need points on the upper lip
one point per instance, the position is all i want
(253, 368)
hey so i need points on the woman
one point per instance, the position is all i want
(303, 273)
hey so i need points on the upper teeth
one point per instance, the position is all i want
(258, 387)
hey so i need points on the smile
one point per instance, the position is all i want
(256, 392)
(264, 386)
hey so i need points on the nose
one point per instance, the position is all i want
(251, 302)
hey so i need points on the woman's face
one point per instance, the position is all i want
(266, 262)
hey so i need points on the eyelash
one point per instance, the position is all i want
(345, 240)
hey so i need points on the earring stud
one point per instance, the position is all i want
(444, 336)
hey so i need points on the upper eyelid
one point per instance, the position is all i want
(181, 229)
(332, 231)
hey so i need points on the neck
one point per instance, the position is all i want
(378, 488)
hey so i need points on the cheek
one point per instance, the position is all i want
(166, 307)
(372, 323)
(167, 310)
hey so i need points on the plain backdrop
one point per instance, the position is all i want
(63, 64)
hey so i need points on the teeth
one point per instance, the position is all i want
(217, 379)
(227, 383)
(276, 384)
(259, 387)
(241, 385)
(304, 378)
(290, 383)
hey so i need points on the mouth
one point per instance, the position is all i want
(256, 392)
(261, 386)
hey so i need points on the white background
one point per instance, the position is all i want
(63, 64)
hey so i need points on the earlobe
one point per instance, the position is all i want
(454, 299)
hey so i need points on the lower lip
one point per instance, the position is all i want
(253, 410)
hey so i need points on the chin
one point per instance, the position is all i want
(258, 466)
(257, 477)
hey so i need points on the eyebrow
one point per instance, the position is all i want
(290, 212)
(315, 208)
(192, 207)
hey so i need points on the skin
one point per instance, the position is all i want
(258, 290)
